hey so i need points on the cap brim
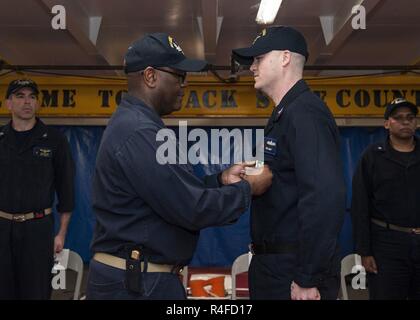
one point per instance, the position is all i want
(246, 56)
(34, 90)
(190, 65)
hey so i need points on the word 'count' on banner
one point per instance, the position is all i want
(205, 96)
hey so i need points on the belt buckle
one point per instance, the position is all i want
(39, 214)
(19, 218)
(415, 230)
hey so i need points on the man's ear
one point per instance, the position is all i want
(287, 56)
(150, 77)
(386, 124)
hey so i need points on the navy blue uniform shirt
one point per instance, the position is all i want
(34, 166)
(138, 201)
(385, 187)
(305, 205)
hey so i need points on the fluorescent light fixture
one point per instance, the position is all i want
(268, 11)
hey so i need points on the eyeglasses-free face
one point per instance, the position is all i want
(402, 118)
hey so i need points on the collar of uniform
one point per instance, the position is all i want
(299, 88)
(39, 132)
(387, 146)
(139, 105)
(40, 129)
(386, 149)
(5, 130)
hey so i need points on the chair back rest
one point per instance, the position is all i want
(347, 267)
(240, 265)
(75, 263)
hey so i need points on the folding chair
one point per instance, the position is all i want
(75, 263)
(240, 265)
(347, 265)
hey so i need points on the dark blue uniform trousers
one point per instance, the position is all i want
(397, 256)
(271, 275)
(108, 283)
(26, 258)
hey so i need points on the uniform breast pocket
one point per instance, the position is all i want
(39, 171)
(389, 186)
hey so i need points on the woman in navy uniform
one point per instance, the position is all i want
(386, 207)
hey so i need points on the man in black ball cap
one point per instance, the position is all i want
(35, 165)
(295, 225)
(386, 207)
(149, 214)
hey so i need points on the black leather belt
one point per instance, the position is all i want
(273, 248)
(394, 227)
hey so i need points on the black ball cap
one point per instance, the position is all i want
(18, 84)
(399, 103)
(273, 38)
(159, 50)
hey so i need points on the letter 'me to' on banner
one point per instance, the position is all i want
(207, 97)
